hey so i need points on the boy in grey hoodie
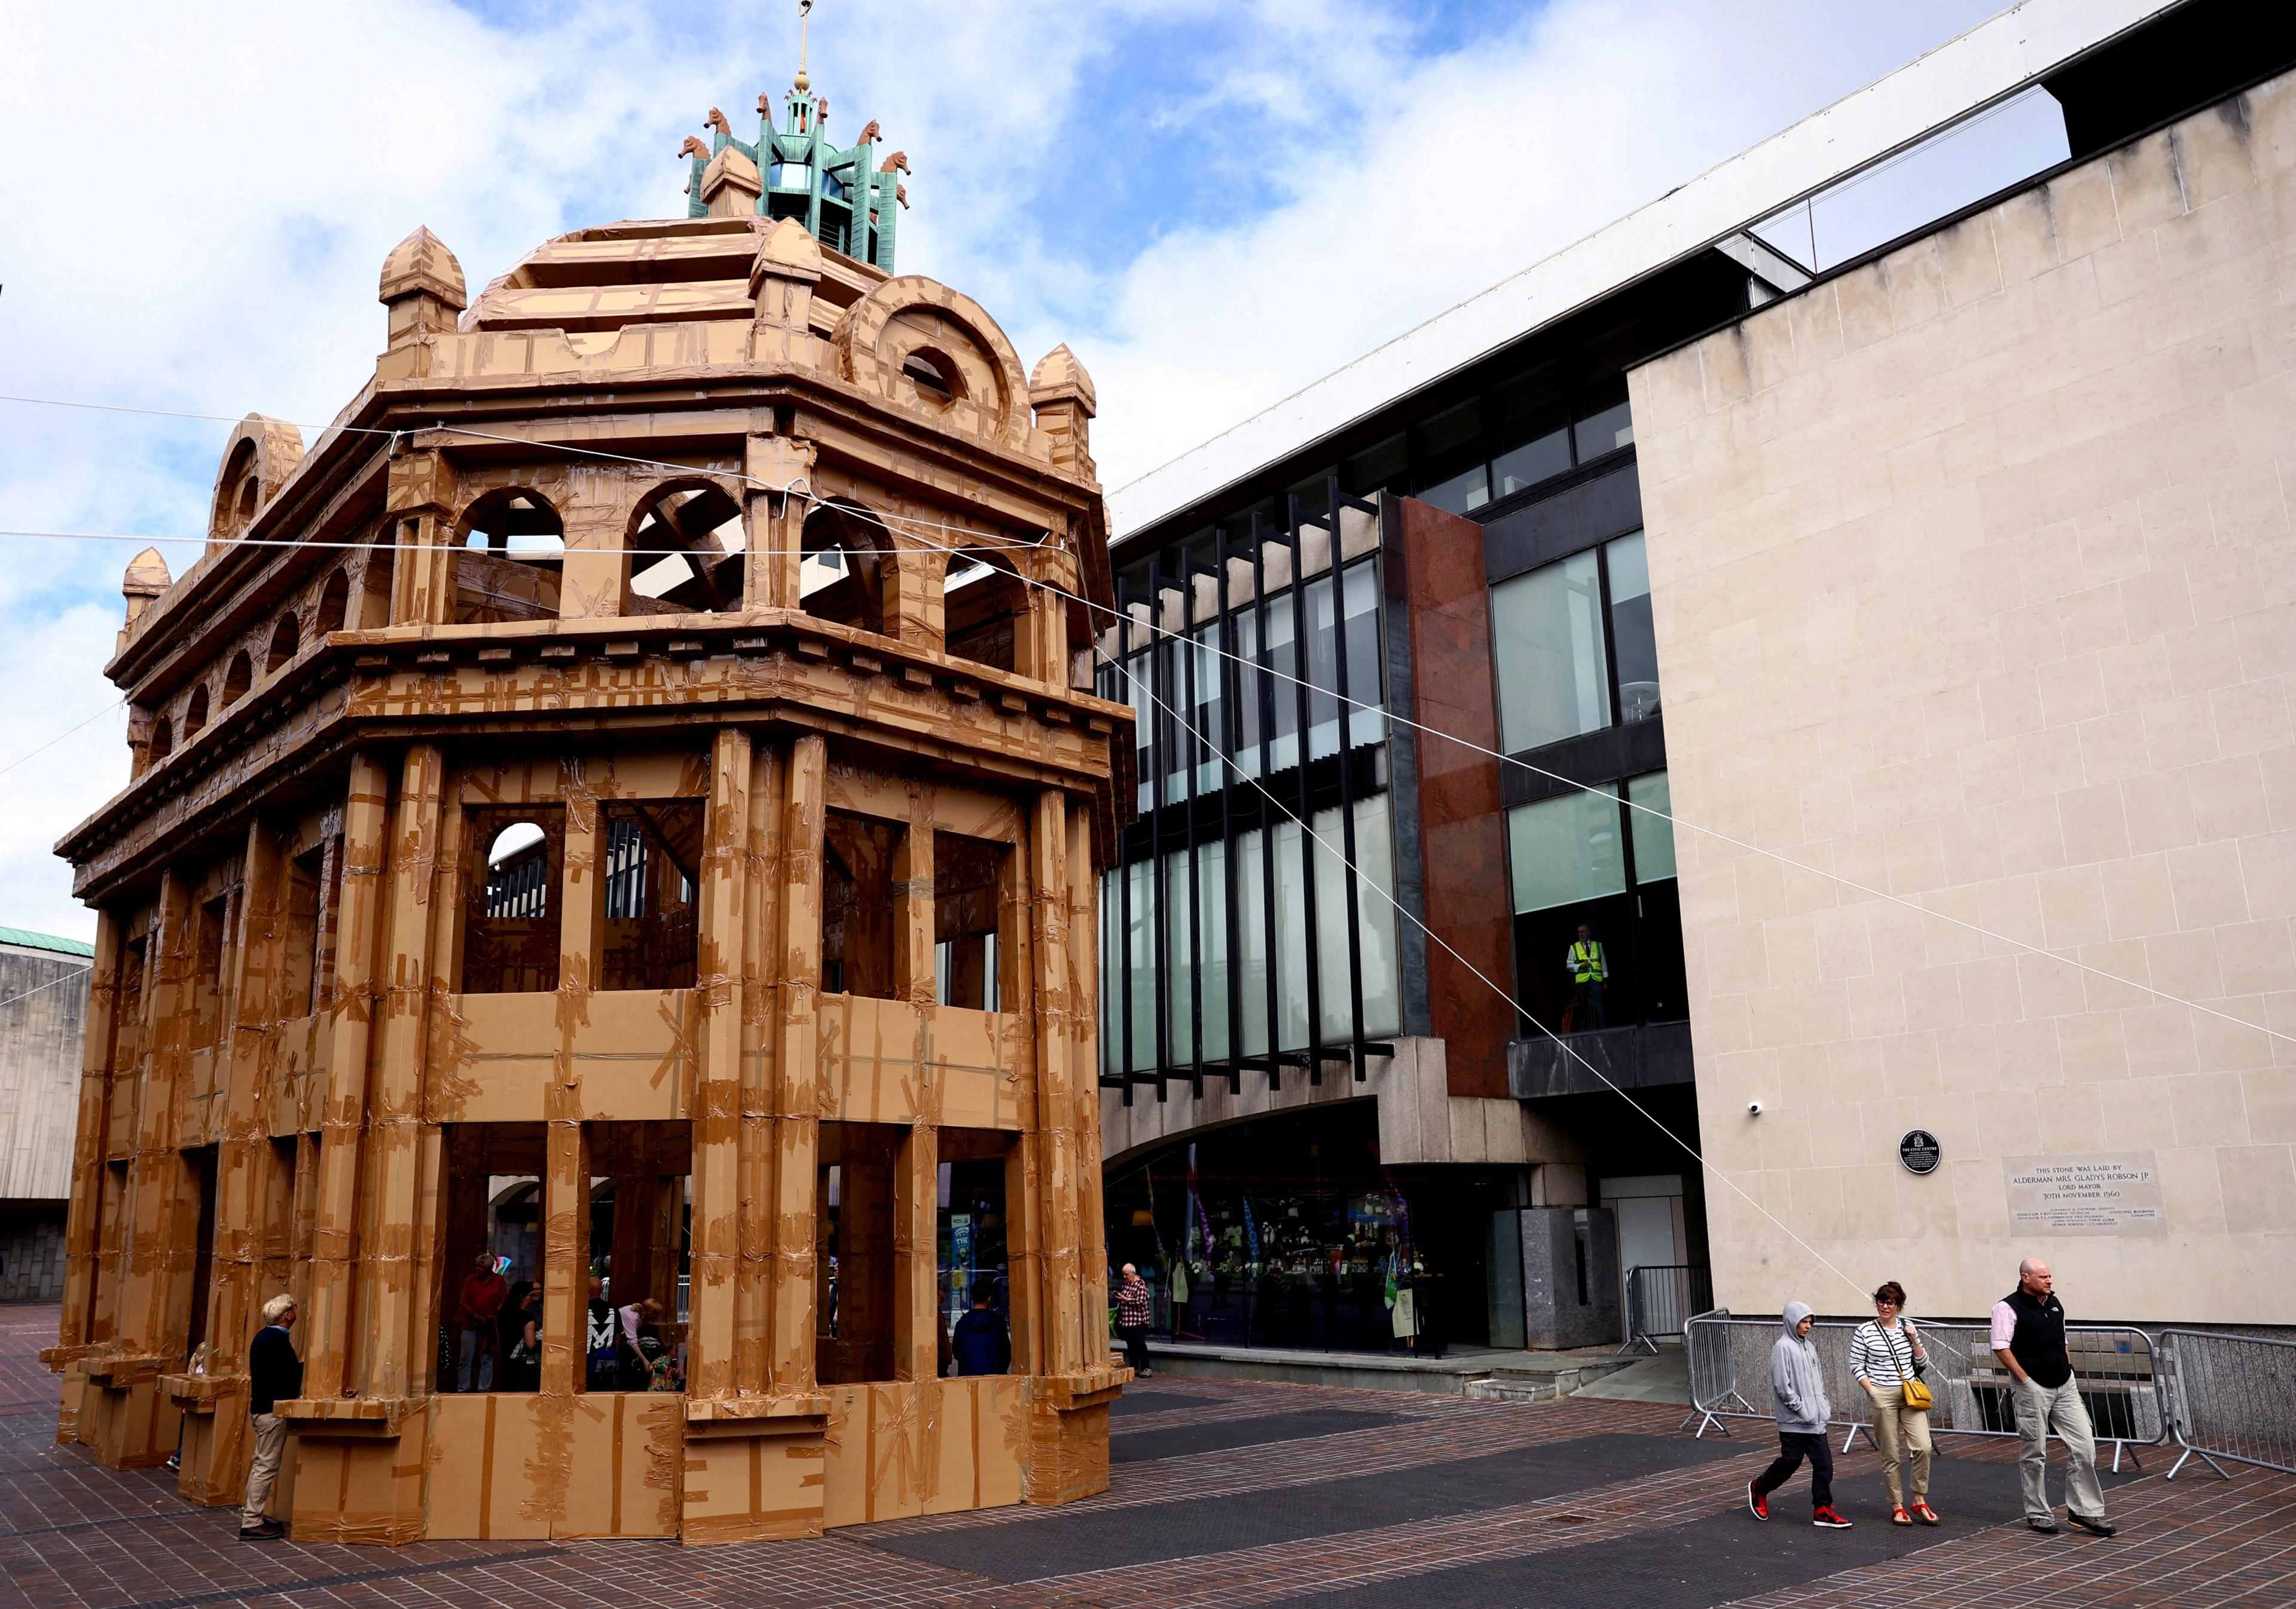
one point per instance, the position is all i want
(1798, 1381)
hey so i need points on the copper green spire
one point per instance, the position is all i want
(844, 197)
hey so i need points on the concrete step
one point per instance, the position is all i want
(1482, 1373)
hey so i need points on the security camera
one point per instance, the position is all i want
(1753, 1109)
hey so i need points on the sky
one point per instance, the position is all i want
(1212, 202)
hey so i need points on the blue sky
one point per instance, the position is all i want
(1213, 201)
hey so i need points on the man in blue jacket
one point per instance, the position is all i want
(978, 1344)
(1798, 1381)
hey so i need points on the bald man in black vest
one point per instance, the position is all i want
(2029, 1338)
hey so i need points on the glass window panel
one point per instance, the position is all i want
(1140, 964)
(1211, 872)
(1210, 738)
(1606, 429)
(1530, 427)
(1283, 690)
(1179, 965)
(1322, 671)
(1653, 834)
(1330, 844)
(1541, 458)
(1291, 930)
(1133, 678)
(1547, 629)
(1250, 684)
(1458, 494)
(1251, 939)
(1377, 468)
(1446, 458)
(1375, 919)
(1634, 641)
(1110, 983)
(1658, 935)
(1366, 679)
(1563, 850)
(1451, 431)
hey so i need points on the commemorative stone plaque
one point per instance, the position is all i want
(2112, 1192)
(1920, 1151)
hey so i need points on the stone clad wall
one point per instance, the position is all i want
(40, 1037)
(1974, 582)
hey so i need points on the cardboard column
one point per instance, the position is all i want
(422, 573)
(565, 1287)
(1058, 1159)
(721, 1333)
(775, 519)
(132, 1426)
(1067, 1413)
(761, 961)
(437, 1019)
(1024, 1216)
(595, 582)
(387, 1303)
(1083, 1002)
(327, 1337)
(797, 1122)
(242, 1176)
(917, 1267)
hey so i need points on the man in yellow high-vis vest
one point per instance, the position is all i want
(1589, 966)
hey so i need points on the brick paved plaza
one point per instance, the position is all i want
(1225, 1494)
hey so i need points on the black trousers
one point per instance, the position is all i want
(1136, 1347)
(1794, 1446)
(1588, 999)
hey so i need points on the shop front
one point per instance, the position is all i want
(1288, 1232)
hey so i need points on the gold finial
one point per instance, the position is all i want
(804, 28)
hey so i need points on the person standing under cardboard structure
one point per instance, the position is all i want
(274, 1375)
(484, 1291)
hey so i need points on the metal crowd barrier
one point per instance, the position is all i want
(2121, 1380)
(1661, 1297)
(2231, 1397)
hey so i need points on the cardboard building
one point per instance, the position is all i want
(625, 804)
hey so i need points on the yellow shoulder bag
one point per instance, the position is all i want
(1917, 1395)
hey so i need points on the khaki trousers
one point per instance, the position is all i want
(1901, 1430)
(270, 1443)
(2040, 1410)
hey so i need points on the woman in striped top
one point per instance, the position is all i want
(1884, 1354)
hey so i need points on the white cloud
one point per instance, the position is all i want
(198, 199)
(1463, 169)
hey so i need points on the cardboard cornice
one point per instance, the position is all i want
(178, 801)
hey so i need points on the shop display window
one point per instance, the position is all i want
(1289, 1232)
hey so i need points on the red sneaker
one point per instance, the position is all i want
(1828, 1520)
(1756, 1501)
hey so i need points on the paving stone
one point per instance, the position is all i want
(1414, 1503)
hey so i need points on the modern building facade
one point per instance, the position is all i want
(1751, 514)
(43, 1022)
(617, 815)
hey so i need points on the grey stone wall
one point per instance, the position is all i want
(41, 1033)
